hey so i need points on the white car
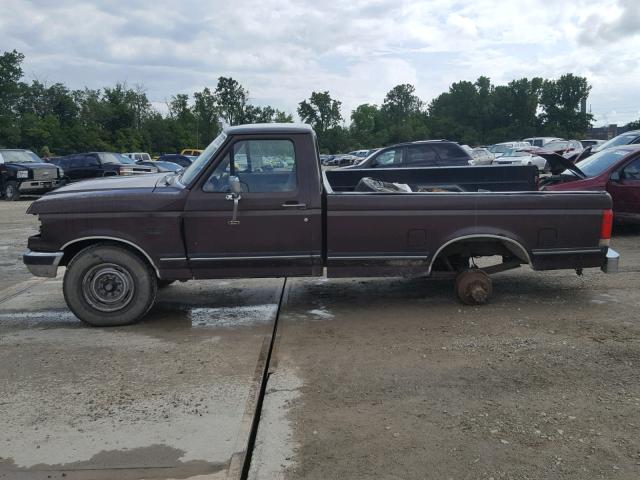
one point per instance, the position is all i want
(521, 157)
(138, 156)
(540, 141)
(481, 156)
(500, 148)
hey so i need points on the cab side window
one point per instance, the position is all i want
(261, 165)
(632, 171)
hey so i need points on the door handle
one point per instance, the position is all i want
(294, 205)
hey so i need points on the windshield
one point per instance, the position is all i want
(20, 156)
(500, 148)
(199, 163)
(599, 162)
(624, 139)
(110, 158)
(125, 160)
(557, 145)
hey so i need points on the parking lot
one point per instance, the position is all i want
(375, 378)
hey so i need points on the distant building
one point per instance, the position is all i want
(604, 133)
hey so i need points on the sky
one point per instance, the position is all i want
(282, 50)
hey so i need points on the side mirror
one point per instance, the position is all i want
(235, 185)
(615, 176)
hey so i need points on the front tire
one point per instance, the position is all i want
(11, 191)
(107, 286)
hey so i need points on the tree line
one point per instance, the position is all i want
(53, 119)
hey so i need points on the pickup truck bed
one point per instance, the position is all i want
(256, 204)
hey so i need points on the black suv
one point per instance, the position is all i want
(425, 153)
(22, 171)
(81, 166)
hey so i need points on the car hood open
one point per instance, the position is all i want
(558, 164)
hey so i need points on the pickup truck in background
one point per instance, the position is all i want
(256, 204)
(23, 172)
(82, 166)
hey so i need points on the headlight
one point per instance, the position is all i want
(60, 172)
(22, 174)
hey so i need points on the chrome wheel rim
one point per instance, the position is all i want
(108, 287)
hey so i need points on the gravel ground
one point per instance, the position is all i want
(16, 227)
(398, 380)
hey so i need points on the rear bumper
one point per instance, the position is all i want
(610, 264)
(42, 264)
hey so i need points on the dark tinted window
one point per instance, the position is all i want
(421, 155)
(90, 160)
(451, 154)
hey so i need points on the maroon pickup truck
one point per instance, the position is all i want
(256, 204)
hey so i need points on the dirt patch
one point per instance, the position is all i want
(400, 381)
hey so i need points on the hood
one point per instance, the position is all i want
(113, 183)
(558, 164)
(32, 165)
(137, 193)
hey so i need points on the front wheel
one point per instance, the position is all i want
(107, 286)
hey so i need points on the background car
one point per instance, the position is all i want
(591, 142)
(162, 166)
(521, 157)
(343, 160)
(566, 148)
(22, 171)
(138, 156)
(128, 161)
(481, 156)
(500, 148)
(615, 170)
(626, 138)
(80, 166)
(183, 160)
(191, 152)
(425, 153)
(540, 141)
(360, 153)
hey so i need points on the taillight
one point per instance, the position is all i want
(605, 227)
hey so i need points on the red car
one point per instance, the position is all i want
(616, 170)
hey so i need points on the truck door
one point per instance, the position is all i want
(278, 229)
(625, 191)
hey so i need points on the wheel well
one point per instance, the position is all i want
(71, 250)
(482, 246)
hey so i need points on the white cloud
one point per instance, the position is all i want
(281, 50)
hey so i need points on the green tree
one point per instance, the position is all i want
(232, 99)
(321, 111)
(365, 125)
(10, 75)
(633, 125)
(206, 113)
(561, 102)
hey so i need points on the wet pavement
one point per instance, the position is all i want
(171, 397)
